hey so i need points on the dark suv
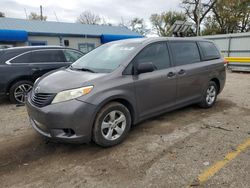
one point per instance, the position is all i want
(21, 66)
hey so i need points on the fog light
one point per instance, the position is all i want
(69, 132)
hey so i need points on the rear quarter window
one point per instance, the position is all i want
(9, 54)
(184, 52)
(24, 58)
(209, 51)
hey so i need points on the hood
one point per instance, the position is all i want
(65, 79)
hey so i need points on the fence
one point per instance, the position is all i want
(236, 49)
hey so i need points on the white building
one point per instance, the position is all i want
(20, 32)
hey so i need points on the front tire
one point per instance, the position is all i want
(19, 91)
(210, 96)
(112, 125)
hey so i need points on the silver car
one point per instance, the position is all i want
(122, 83)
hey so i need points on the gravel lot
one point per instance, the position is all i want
(171, 150)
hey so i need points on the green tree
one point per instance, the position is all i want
(232, 15)
(228, 16)
(162, 22)
(35, 16)
(211, 27)
(138, 25)
(2, 14)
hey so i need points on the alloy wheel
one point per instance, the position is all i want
(113, 125)
(211, 95)
(21, 92)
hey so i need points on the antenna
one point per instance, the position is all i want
(56, 16)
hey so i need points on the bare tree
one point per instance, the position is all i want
(138, 25)
(105, 22)
(88, 17)
(35, 16)
(197, 10)
(123, 23)
(2, 14)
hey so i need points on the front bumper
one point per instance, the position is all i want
(69, 121)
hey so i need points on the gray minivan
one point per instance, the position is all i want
(122, 83)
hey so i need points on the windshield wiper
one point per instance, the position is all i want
(86, 69)
(81, 69)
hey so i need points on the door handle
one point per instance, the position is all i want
(182, 72)
(170, 74)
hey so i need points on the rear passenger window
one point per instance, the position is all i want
(185, 52)
(25, 58)
(155, 53)
(209, 51)
(45, 56)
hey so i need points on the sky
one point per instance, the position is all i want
(113, 11)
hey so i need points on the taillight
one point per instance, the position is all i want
(225, 62)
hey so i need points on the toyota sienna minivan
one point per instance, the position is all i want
(122, 83)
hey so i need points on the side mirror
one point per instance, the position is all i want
(145, 67)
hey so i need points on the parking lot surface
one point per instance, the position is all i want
(188, 147)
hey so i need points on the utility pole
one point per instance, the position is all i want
(26, 13)
(198, 17)
(41, 13)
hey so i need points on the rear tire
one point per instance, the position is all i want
(19, 91)
(210, 96)
(112, 125)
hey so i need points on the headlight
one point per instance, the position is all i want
(71, 94)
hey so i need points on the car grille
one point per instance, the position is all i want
(41, 99)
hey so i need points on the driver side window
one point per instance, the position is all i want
(156, 53)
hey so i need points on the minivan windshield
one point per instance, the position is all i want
(105, 58)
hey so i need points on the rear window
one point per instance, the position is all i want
(184, 52)
(209, 51)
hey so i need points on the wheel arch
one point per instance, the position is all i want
(122, 100)
(217, 82)
(21, 78)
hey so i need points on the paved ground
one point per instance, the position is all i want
(188, 147)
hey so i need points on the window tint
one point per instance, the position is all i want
(155, 53)
(25, 58)
(72, 56)
(209, 50)
(47, 56)
(184, 52)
